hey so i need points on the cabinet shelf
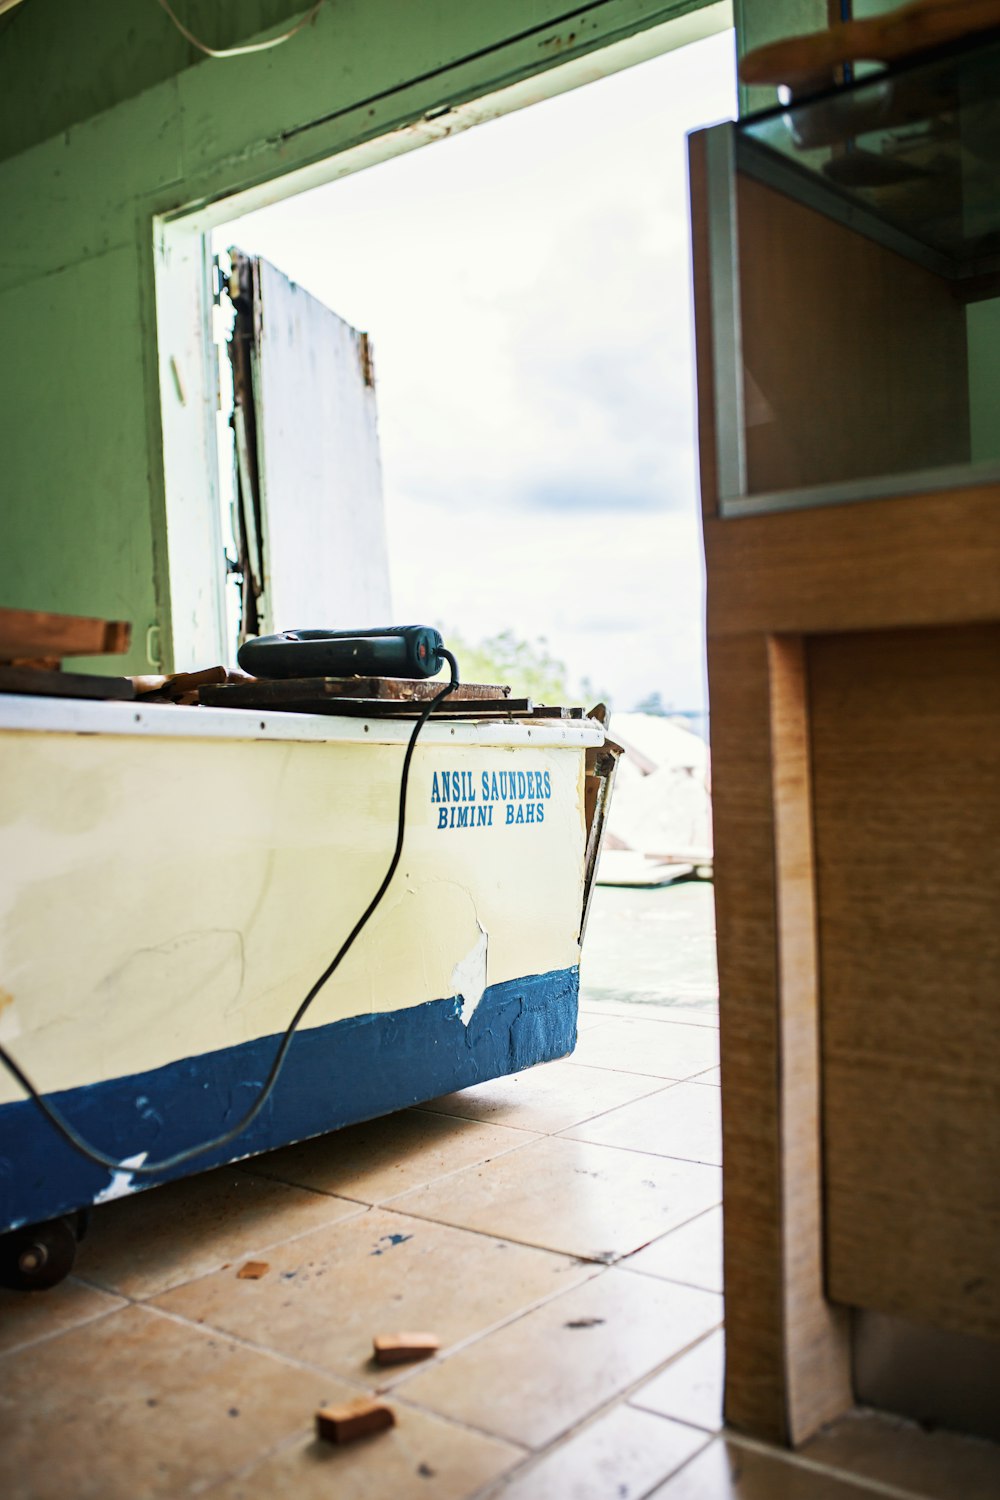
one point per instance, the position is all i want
(854, 248)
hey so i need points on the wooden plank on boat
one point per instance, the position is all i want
(383, 708)
(26, 633)
(541, 712)
(178, 686)
(296, 692)
(63, 684)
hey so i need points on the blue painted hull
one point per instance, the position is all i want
(335, 1075)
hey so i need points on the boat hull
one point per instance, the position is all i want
(169, 898)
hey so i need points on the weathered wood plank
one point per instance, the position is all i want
(907, 802)
(63, 684)
(34, 633)
(280, 692)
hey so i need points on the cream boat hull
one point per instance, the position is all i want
(174, 880)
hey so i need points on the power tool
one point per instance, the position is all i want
(392, 651)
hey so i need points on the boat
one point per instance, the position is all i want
(176, 878)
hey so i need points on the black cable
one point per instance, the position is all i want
(148, 1168)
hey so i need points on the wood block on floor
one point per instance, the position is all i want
(402, 1348)
(354, 1419)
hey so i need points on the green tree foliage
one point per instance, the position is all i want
(653, 704)
(527, 667)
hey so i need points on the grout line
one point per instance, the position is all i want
(619, 1398)
(631, 1072)
(659, 1086)
(828, 1471)
(257, 1249)
(443, 1176)
(57, 1333)
(609, 1015)
(696, 1161)
(445, 1114)
(474, 1338)
(712, 1438)
(411, 1213)
(212, 1330)
(539, 1456)
(243, 1471)
(695, 1286)
(391, 1392)
(659, 1238)
(398, 1206)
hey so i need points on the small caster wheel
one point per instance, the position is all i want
(39, 1256)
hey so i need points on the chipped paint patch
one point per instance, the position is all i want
(468, 977)
(10, 1025)
(121, 1181)
(388, 1241)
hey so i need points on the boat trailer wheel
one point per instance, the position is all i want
(40, 1255)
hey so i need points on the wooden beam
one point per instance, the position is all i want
(787, 1364)
(858, 567)
(33, 633)
(816, 1333)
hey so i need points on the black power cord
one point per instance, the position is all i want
(191, 1153)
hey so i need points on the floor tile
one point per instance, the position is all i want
(692, 1254)
(713, 1076)
(535, 1378)
(594, 1201)
(661, 1049)
(137, 1405)
(690, 1389)
(145, 1243)
(729, 1471)
(617, 1457)
(548, 1098)
(941, 1465)
(682, 1120)
(421, 1458)
(651, 947)
(26, 1317)
(385, 1157)
(327, 1294)
(660, 1010)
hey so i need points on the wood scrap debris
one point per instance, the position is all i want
(184, 687)
(253, 1270)
(55, 684)
(33, 644)
(289, 692)
(353, 1420)
(34, 636)
(403, 1348)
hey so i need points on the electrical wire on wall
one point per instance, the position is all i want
(167, 1163)
(275, 41)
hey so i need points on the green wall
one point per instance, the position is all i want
(106, 52)
(108, 117)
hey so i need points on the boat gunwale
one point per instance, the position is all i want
(24, 713)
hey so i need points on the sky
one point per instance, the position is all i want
(526, 285)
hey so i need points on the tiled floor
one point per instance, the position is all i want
(560, 1231)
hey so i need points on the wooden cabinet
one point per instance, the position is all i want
(852, 537)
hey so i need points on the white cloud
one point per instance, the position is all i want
(526, 286)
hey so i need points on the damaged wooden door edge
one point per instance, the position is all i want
(815, 1333)
(598, 785)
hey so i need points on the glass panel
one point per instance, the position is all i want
(869, 271)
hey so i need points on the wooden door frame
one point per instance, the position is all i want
(772, 581)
